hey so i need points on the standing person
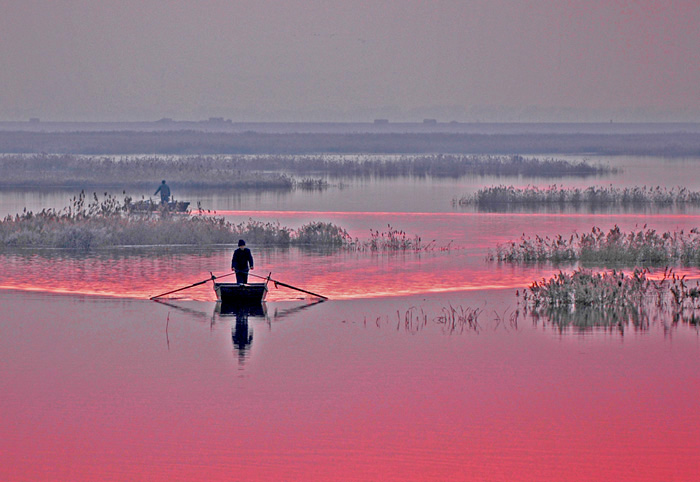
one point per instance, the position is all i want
(242, 258)
(164, 191)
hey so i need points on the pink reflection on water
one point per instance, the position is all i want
(95, 392)
(341, 275)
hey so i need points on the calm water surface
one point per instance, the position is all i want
(100, 384)
(431, 195)
(118, 389)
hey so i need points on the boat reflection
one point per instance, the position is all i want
(241, 335)
(242, 329)
(282, 313)
(242, 332)
(183, 309)
(234, 309)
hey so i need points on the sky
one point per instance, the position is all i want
(350, 60)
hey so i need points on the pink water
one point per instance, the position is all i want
(98, 383)
(143, 273)
(109, 389)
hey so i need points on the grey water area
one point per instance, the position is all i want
(428, 194)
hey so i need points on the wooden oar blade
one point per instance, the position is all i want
(180, 289)
(211, 278)
(299, 289)
(277, 282)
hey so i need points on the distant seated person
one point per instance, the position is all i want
(164, 191)
(242, 259)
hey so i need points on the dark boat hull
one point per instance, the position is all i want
(234, 294)
(150, 207)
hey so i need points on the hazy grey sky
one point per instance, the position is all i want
(348, 60)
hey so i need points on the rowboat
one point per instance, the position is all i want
(243, 294)
(149, 206)
(234, 294)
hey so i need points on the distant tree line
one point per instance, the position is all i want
(199, 142)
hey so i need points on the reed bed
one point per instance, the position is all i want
(585, 299)
(263, 171)
(437, 165)
(638, 247)
(496, 197)
(42, 170)
(94, 222)
(393, 240)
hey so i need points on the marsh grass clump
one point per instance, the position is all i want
(319, 233)
(499, 197)
(586, 299)
(393, 240)
(587, 288)
(638, 247)
(94, 222)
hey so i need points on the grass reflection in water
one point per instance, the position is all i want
(614, 300)
(450, 319)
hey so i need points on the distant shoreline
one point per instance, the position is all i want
(379, 126)
(678, 143)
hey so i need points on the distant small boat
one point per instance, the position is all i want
(149, 206)
(234, 294)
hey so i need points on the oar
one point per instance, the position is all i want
(211, 278)
(289, 286)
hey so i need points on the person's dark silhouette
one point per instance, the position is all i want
(164, 191)
(240, 262)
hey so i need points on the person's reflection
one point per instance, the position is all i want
(242, 335)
